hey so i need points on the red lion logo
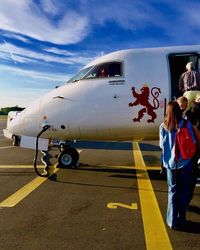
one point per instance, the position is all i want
(143, 99)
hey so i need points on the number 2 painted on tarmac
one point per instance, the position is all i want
(115, 205)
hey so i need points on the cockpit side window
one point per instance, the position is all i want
(80, 74)
(111, 69)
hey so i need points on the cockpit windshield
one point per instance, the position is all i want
(80, 74)
(103, 70)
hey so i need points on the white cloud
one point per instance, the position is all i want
(23, 17)
(35, 74)
(71, 23)
(16, 36)
(49, 7)
(184, 26)
(26, 55)
(72, 56)
(128, 14)
(18, 54)
(59, 51)
(191, 15)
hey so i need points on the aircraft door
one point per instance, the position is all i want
(177, 63)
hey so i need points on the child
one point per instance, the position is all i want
(183, 104)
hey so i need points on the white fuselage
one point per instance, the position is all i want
(100, 108)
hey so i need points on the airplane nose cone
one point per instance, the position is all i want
(26, 123)
(15, 125)
(23, 125)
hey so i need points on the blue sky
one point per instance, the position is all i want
(44, 42)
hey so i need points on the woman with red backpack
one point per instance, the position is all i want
(178, 168)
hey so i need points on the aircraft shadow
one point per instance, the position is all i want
(117, 173)
(54, 177)
(122, 172)
(113, 145)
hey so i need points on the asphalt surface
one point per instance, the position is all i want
(97, 206)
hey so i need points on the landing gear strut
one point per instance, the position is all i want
(46, 161)
(15, 140)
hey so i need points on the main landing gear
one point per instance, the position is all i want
(68, 157)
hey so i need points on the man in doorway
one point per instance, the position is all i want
(189, 83)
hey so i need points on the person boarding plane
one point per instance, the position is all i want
(128, 103)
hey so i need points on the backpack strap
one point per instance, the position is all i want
(176, 148)
(183, 123)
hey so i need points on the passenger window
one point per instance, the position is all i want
(111, 69)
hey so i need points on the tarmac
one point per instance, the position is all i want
(115, 199)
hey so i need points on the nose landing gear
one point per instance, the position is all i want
(67, 158)
(15, 140)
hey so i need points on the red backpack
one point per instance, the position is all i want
(184, 143)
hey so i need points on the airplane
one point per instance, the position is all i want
(120, 96)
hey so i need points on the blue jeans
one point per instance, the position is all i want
(178, 181)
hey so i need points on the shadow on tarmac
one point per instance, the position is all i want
(115, 145)
(54, 178)
(192, 227)
(119, 173)
(194, 209)
(123, 172)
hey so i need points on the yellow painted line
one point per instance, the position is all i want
(112, 167)
(20, 166)
(138, 167)
(154, 228)
(15, 198)
(141, 168)
(148, 168)
(114, 205)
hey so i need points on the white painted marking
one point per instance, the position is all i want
(19, 166)
(6, 147)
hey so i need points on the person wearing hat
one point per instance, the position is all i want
(189, 83)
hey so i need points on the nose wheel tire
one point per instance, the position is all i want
(68, 158)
